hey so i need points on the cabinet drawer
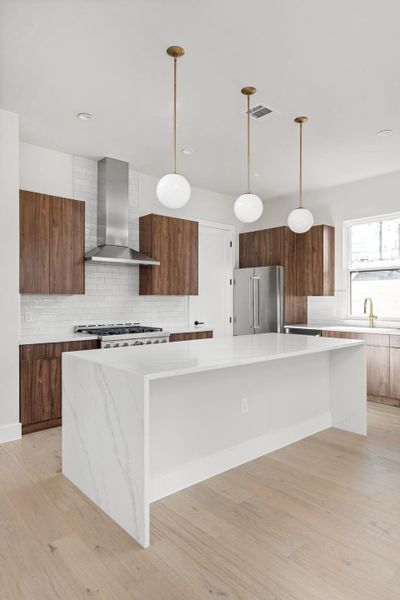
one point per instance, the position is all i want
(374, 339)
(371, 339)
(395, 341)
(195, 335)
(49, 351)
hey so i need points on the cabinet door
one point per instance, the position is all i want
(395, 373)
(34, 243)
(378, 381)
(40, 390)
(315, 256)
(174, 242)
(67, 246)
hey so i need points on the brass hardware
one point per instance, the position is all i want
(301, 121)
(175, 52)
(248, 91)
(371, 315)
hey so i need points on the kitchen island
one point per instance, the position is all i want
(140, 423)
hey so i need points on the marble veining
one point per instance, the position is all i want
(136, 421)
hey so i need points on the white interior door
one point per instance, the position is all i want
(213, 305)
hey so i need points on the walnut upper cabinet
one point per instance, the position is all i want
(315, 255)
(174, 242)
(52, 244)
(308, 258)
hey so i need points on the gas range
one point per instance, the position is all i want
(119, 335)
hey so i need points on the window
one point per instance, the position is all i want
(373, 250)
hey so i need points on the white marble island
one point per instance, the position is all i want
(140, 423)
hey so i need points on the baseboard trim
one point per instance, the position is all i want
(191, 473)
(9, 433)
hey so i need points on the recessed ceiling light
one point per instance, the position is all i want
(257, 174)
(84, 116)
(187, 151)
(384, 132)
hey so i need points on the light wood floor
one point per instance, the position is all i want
(319, 520)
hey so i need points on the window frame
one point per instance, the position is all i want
(347, 225)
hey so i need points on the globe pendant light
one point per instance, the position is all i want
(173, 190)
(248, 207)
(300, 219)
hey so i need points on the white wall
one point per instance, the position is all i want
(45, 171)
(9, 251)
(112, 292)
(332, 206)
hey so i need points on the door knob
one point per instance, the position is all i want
(199, 322)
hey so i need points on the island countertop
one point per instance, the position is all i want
(140, 423)
(169, 360)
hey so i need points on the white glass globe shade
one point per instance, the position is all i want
(300, 220)
(173, 190)
(248, 208)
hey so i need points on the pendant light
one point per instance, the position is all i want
(248, 207)
(173, 190)
(300, 219)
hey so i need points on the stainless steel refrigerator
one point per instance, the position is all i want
(258, 300)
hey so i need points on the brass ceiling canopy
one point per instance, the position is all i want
(248, 90)
(301, 120)
(175, 51)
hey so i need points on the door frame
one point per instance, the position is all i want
(229, 302)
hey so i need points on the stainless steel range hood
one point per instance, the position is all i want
(112, 217)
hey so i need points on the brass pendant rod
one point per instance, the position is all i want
(301, 167)
(175, 61)
(175, 52)
(248, 145)
(301, 121)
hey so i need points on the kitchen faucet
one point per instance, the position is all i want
(371, 311)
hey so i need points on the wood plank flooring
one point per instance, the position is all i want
(319, 520)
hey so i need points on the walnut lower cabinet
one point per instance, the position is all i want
(383, 364)
(187, 336)
(40, 383)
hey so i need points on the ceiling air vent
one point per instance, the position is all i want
(259, 111)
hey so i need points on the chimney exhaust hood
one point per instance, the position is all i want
(112, 217)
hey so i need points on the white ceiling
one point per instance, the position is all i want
(336, 61)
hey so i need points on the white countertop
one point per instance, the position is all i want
(338, 327)
(56, 338)
(168, 360)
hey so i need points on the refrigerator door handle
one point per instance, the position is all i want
(251, 302)
(256, 302)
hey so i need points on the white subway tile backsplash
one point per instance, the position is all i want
(111, 292)
(327, 309)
